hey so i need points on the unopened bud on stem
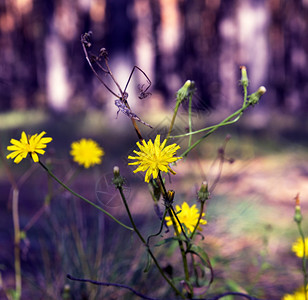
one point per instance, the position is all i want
(203, 193)
(244, 79)
(117, 180)
(298, 214)
(254, 98)
(185, 91)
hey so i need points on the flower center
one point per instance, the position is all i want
(30, 148)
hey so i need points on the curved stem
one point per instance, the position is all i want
(160, 229)
(181, 245)
(170, 210)
(198, 222)
(207, 128)
(226, 121)
(147, 246)
(83, 198)
(180, 224)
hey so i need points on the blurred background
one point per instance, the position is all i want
(47, 84)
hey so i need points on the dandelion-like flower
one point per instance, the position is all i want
(153, 158)
(32, 144)
(298, 247)
(87, 152)
(298, 295)
(188, 216)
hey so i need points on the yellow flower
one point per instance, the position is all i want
(187, 216)
(28, 144)
(87, 152)
(298, 295)
(154, 157)
(298, 247)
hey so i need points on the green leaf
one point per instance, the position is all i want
(148, 264)
(204, 258)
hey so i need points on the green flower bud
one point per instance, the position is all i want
(185, 91)
(116, 171)
(254, 98)
(298, 215)
(244, 79)
(203, 193)
(117, 180)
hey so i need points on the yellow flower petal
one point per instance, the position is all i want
(32, 144)
(187, 216)
(86, 152)
(154, 157)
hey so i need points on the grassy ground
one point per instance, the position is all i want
(250, 214)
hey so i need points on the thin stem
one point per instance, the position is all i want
(177, 105)
(147, 246)
(16, 226)
(110, 284)
(130, 216)
(83, 198)
(199, 218)
(304, 259)
(189, 120)
(245, 95)
(171, 213)
(226, 121)
(205, 129)
(111, 75)
(95, 73)
(131, 74)
(180, 224)
(160, 229)
(181, 245)
(18, 284)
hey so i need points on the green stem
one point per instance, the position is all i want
(198, 222)
(189, 120)
(173, 118)
(181, 245)
(226, 121)
(180, 224)
(304, 260)
(160, 229)
(147, 246)
(83, 198)
(18, 283)
(207, 128)
(245, 95)
(172, 216)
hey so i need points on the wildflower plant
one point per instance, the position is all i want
(300, 248)
(156, 159)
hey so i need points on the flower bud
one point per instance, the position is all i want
(298, 214)
(171, 195)
(254, 98)
(185, 91)
(244, 79)
(168, 198)
(116, 171)
(117, 180)
(203, 193)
